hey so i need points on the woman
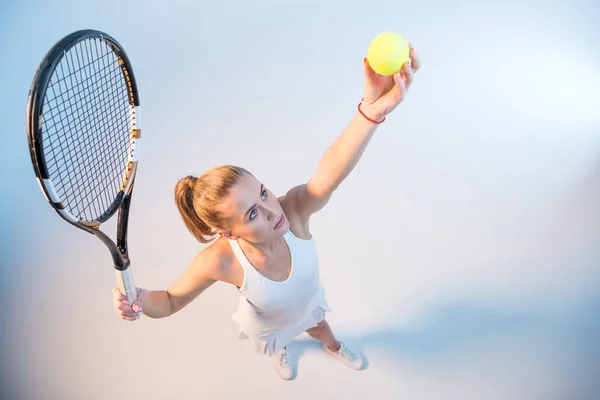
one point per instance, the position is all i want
(264, 245)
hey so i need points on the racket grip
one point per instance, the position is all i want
(126, 285)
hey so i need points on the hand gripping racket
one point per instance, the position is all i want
(83, 130)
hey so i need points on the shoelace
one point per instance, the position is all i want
(283, 359)
(347, 354)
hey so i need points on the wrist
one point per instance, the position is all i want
(370, 113)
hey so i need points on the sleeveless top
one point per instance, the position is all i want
(272, 313)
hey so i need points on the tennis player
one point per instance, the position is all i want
(263, 244)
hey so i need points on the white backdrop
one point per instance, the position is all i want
(460, 257)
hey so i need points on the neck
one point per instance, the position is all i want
(265, 249)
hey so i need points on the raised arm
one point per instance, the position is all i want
(382, 94)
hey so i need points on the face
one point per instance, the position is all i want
(253, 211)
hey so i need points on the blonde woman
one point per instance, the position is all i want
(263, 244)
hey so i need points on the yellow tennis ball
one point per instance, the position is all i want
(387, 53)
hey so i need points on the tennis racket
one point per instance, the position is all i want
(83, 129)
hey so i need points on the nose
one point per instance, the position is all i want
(272, 214)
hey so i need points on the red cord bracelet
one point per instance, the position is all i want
(369, 119)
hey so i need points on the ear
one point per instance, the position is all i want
(227, 235)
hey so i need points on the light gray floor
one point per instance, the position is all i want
(460, 257)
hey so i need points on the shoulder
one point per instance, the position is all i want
(287, 205)
(214, 260)
(219, 261)
(304, 200)
(298, 226)
(284, 203)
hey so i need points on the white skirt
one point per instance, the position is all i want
(271, 343)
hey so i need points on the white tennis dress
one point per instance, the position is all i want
(270, 313)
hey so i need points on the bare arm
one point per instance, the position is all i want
(337, 163)
(382, 95)
(199, 276)
(342, 156)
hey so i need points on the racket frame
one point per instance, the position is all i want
(119, 250)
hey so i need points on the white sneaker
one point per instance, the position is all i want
(346, 356)
(282, 364)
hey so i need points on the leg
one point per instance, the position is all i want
(323, 333)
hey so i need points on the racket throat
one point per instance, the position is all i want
(119, 253)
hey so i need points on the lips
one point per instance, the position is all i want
(280, 222)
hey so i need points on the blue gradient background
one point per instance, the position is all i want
(461, 256)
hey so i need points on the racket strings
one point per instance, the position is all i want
(107, 179)
(86, 121)
(83, 154)
(74, 147)
(107, 152)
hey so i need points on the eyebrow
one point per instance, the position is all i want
(254, 205)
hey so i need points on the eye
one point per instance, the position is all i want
(264, 192)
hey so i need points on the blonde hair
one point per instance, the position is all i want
(197, 200)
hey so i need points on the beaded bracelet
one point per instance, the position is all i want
(369, 119)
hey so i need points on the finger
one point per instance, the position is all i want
(369, 72)
(129, 314)
(124, 306)
(124, 310)
(411, 48)
(400, 87)
(117, 294)
(408, 74)
(416, 61)
(399, 79)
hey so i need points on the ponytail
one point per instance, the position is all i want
(185, 194)
(197, 200)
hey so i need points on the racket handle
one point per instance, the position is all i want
(126, 285)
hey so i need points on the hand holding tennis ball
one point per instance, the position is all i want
(390, 66)
(387, 53)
